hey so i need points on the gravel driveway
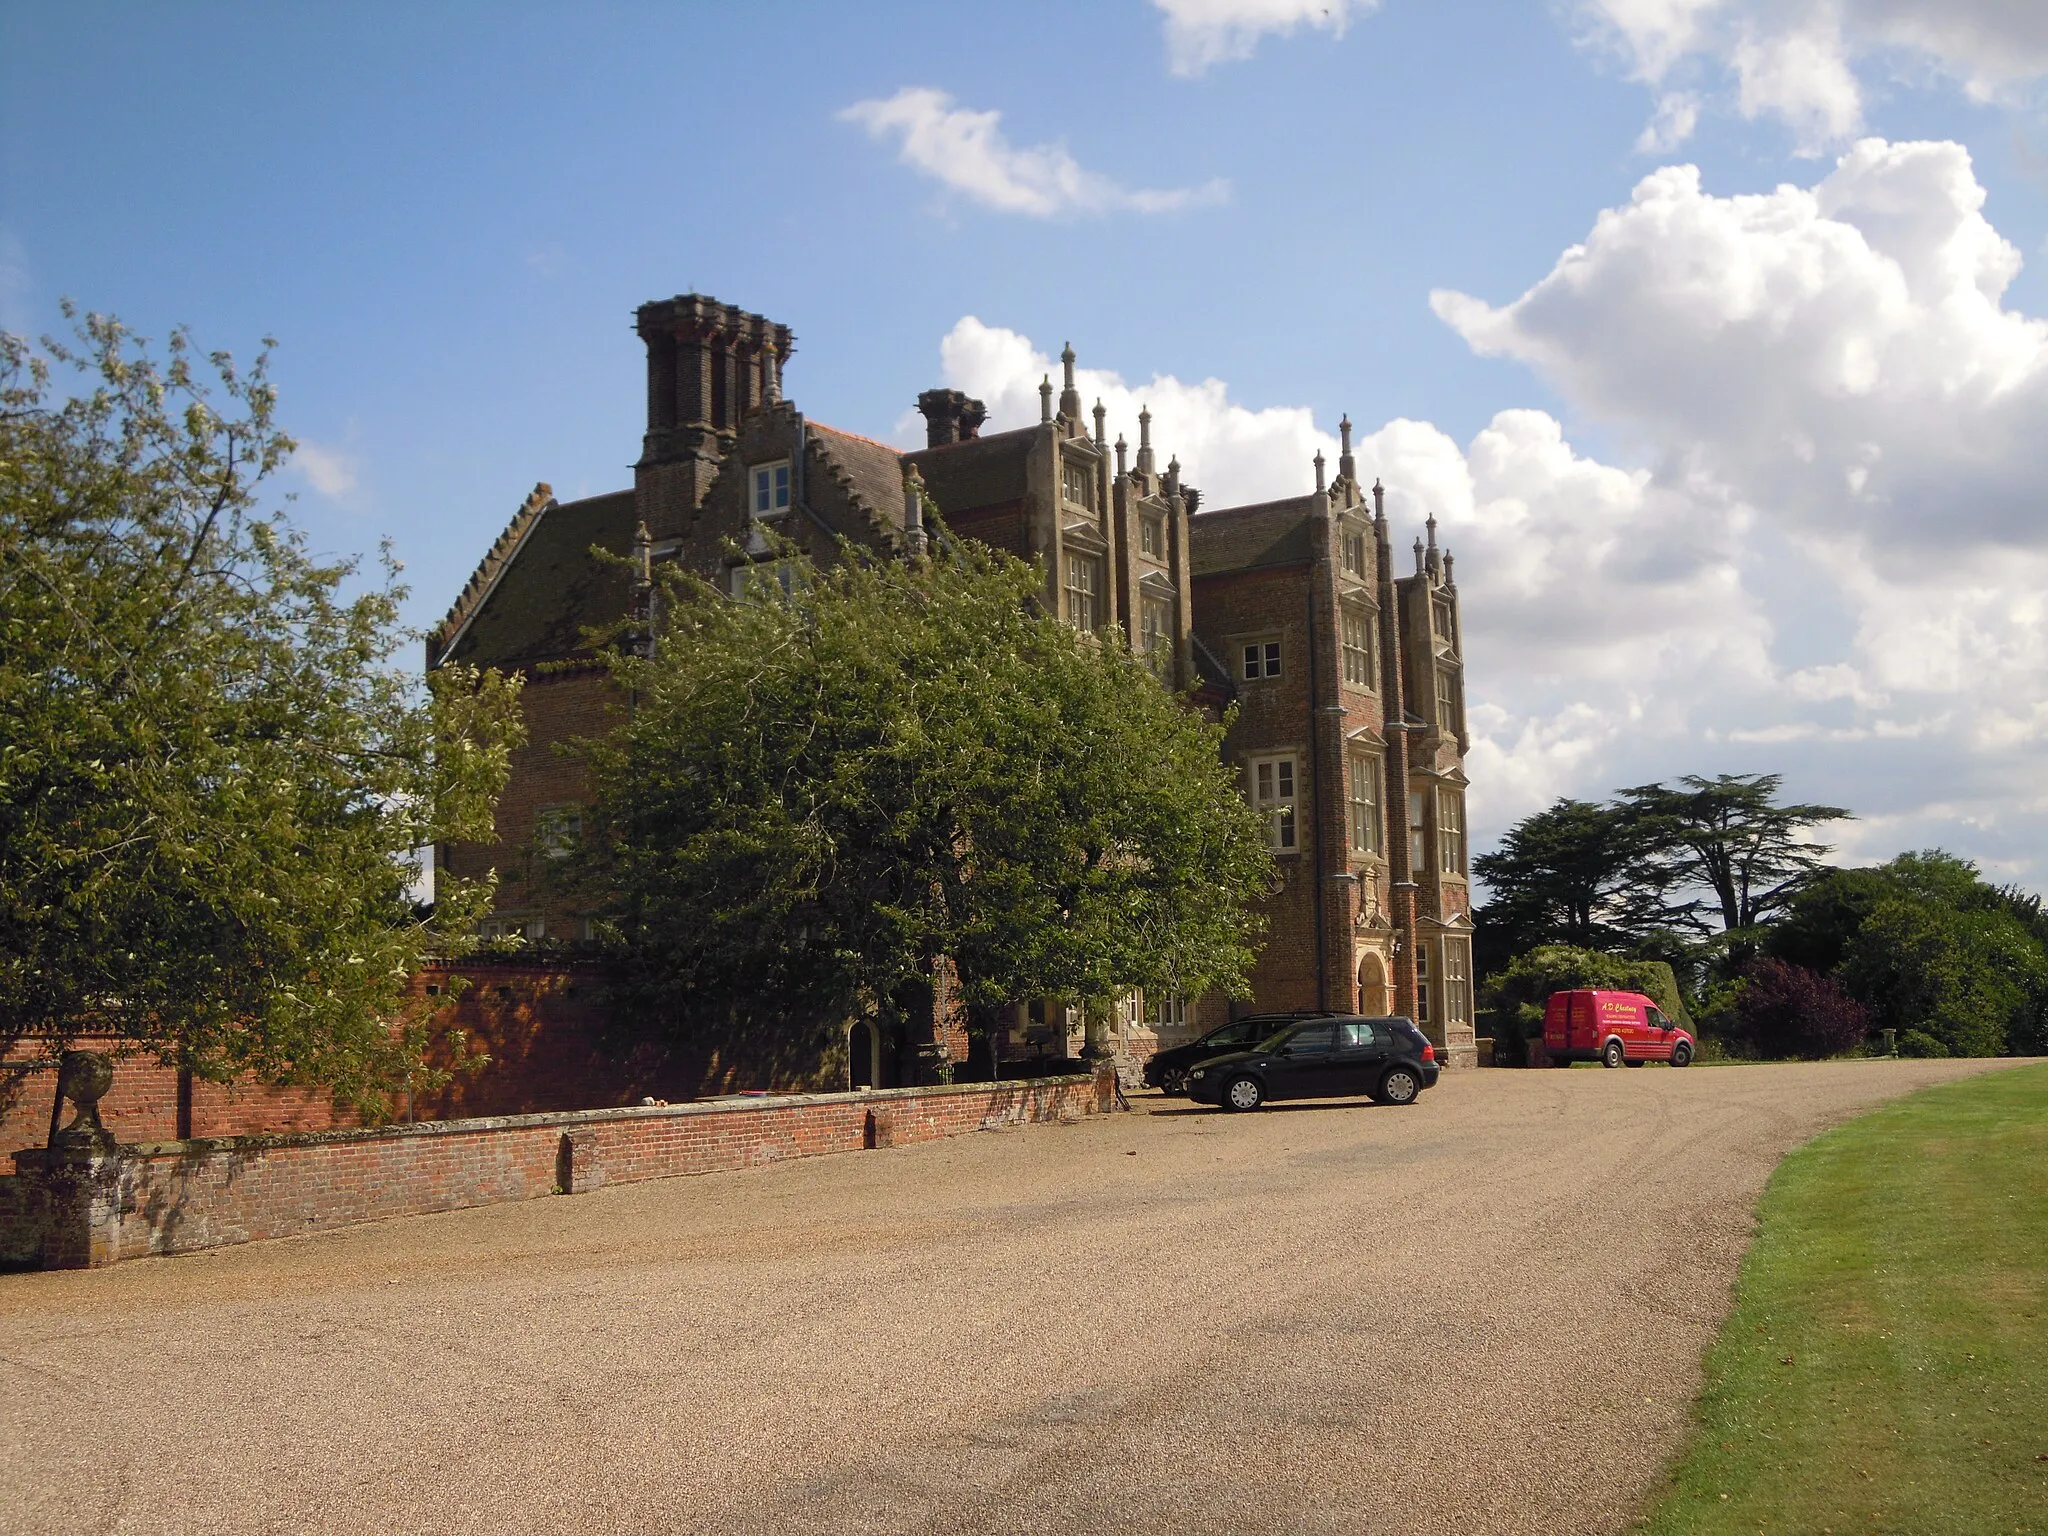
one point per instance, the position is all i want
(1484, 1313)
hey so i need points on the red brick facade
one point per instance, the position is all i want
(1123, 545)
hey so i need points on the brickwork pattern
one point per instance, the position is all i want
(178, 1197)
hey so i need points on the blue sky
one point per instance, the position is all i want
(1685, 549)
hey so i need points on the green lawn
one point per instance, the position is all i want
(1886, 1364)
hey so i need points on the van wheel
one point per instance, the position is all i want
(1399, 1086)
(1681, 1055)
(1243, 1093)
(1613, 1056)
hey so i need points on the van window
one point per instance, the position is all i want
(1657, 1020)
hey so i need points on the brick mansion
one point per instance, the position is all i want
(1346, 676)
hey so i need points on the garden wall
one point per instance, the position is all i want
(78, 1209)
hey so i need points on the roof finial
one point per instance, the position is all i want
(1100, 427)
(643, 591)
(1319, 471)
(1070, 397)
(1045, 399)
(1418, 557)
(1431, 526)
(1121, 471)
(1144, 439)
(1379, 501)
(1450, 570)
(771, 374)
(1067, 362)
(913, 514)
(1346, 465)
(1173, 475)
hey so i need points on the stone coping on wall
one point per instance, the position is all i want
(565, 1119)
(84, 1208)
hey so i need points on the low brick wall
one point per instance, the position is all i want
(76, 1210)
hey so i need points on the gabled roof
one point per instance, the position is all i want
(980, 472)
(539, 588)
(488, 570)
(871, 472)
(1268, 533)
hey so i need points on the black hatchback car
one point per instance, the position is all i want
(1168, 1069)
(1385, 1059)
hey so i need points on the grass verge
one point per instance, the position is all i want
(1886, 1364)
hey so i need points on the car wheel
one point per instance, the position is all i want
(1173, 1084)
(1681, 1055)
(1399, 1086)
(1613, 1056)
(1243, 1093)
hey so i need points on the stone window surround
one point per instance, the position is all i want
(1268, 663)
(768, 488)
(1273, 783)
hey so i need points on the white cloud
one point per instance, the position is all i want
(1832, 563)
(1828, 379)
(1677, 115)
(1201, 33)
(966, 150)
(1233, 453)
(330, 471)
(1798, 60)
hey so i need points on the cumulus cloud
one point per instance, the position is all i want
(967, 151)
(1202, 33)
(1828, 381)
(1232, 452)
(1797, 60)
(1829, 560)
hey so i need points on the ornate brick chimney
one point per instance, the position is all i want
(950, 417)
(708, 365)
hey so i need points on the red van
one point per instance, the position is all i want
(1613, 1028)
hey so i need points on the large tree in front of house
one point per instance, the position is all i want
(216, 766)
(824, 789)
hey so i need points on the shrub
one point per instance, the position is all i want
(1788, 1010)
(1917, 1042)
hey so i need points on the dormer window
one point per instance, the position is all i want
(1152, 537)
(1077, 482)
(771, 489)
(1354, 555)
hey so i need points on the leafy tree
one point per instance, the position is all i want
(1818, 924)
(1962, 978)
(819, 797)
(1577, 874)
(1728, 835)
(1788, 1010)
(212, 777)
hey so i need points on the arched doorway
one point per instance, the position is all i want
(1374, 996)
(860, 1055)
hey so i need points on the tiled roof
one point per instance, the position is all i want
(545, 588)
(872, 471)
(538, 500)
(981, 472)
(1247, 538)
